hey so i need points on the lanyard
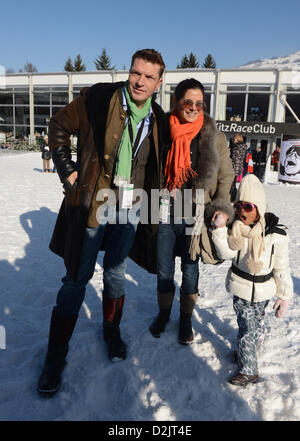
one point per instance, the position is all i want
(137, 138)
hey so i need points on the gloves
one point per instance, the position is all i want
(219, 219)
(280, 307)
(62, 158)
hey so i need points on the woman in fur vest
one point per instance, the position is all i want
(197, 168)
(258, 247)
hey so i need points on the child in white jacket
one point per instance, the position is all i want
(258, 247)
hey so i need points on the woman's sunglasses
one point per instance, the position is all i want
(187, 104)
(246, 206)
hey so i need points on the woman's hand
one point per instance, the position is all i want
(219, 219)
(280, 307)
(72, 178)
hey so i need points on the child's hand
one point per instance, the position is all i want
(219, 219)
(280, 307)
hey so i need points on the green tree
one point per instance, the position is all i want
(209, 62)
(188, 62)
(69, 67)
(103, 62)
(78, 65)
(183, 63)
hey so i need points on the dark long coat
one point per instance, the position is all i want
(86, 116)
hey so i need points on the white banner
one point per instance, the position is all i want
(289, 170)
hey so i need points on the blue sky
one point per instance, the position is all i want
(234, 32)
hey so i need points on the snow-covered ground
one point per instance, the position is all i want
(160, 379)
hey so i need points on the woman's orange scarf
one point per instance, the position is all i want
(178, 166)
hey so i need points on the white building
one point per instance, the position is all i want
(263, 105)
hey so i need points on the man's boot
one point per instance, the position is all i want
(112, 313)
(187, 304)
(61, 330)
(165, 301)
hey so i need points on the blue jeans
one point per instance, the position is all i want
(172, 238)
(118, 242)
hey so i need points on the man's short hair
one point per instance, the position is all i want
(150, 55)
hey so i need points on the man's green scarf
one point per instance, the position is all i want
(124, 158)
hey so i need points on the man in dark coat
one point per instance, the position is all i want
(119, 128)
(259, 163)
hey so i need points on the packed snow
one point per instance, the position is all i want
(160, 380)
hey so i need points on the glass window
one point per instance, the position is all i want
(7, 129)
(42, 98)
(235, 104)
(6, 97)
(22, 98)
(6, 115)
(259, 88)
(22, 115)
(207, 102)
(294, 101)
(76, 91)
(55, 110)
(258, 106)
(239, 87)
(22, 131)
(41, 115)
(60, 98)
(40, 131)
(75, 94)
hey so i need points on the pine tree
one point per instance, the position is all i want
(209, 62)
(184, 63)
(103, 62)
(69, 65)
(78, 65)
(188, 62)
(193, 62)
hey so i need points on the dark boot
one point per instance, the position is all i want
(243, 379)
(61, 330)
(112, 313)
(187, 304)
(165, 301)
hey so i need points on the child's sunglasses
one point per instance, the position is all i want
(246, 206)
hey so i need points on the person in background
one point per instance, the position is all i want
(248, 163)
(46, 155)
(259, 163)
(258, 247)
(275, 158)
(237, 153)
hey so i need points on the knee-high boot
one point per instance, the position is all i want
(112, 314)
(61, 330)
(187, 304)
(165, 301)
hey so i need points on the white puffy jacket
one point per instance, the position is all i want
(275, 259)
